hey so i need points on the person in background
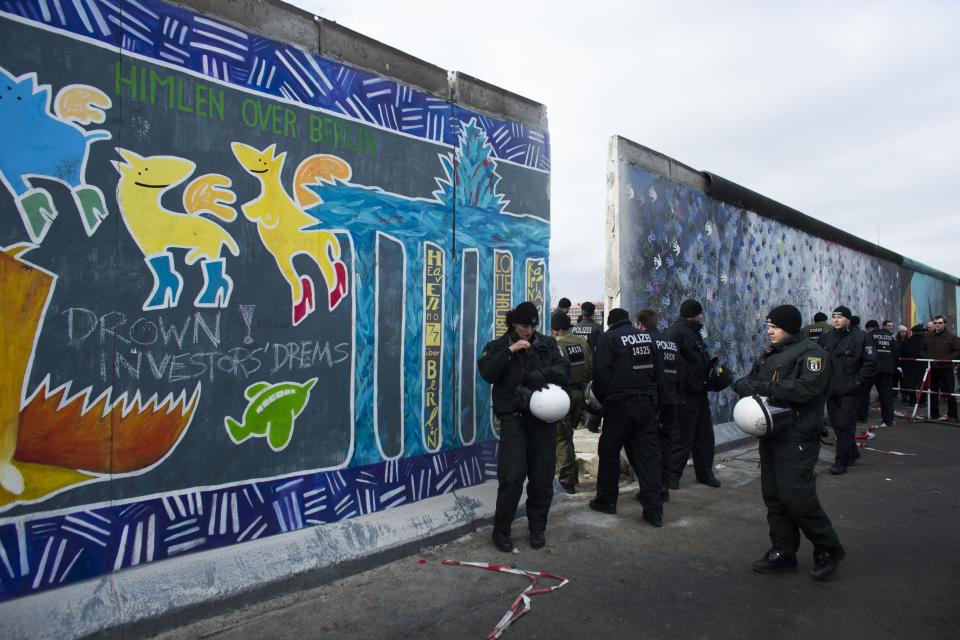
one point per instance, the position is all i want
(898, 377)
(576, 350)
(647, 320)
(942, 346)
(517, 364)
(887, 352)
(852, 362)
(564, 305)
(588, 328)
(815, 330)
(910, 351)
(693, 425)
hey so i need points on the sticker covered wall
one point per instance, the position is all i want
(239, 271)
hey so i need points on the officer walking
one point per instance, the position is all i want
(693, 425)
(852, 363)
(887, 351)
(576, 350)
(588, 328)
(794, 373)
(627, 374)
(647, 320)
(518, 363)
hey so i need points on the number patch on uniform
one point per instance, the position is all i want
(575, 354)
(814, 363)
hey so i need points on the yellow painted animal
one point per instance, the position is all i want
(281, 222)
(156, 229)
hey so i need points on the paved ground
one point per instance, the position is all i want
(898, 516)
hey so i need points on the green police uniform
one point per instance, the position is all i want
(578, 352)
(794, 374)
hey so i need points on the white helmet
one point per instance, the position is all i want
(549, 404)
(756, 417)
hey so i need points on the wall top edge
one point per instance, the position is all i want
(732, 193)
(283, 22)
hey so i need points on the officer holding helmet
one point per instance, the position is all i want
(793, 373)
(517, 364)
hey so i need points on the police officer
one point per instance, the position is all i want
(576, 350)
(852, 363)
(518, 363)
(793, 373)
(887, 352)
(815, 330)
(627, 374)
(587, 327)
(647, 320)
(693, 426)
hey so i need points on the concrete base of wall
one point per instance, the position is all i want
(165, 594)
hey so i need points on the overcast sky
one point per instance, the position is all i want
(849, 112)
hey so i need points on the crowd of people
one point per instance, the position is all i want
(652, 387)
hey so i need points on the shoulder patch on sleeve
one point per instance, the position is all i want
(869, 350)
(814, 363)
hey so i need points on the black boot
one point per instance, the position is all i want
(537, 541)
(825, 563)
(653, 515)
(502, 541)
(603, 507)
(710, 481)
(776, 561)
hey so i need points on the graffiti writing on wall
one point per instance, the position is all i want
(325, 323)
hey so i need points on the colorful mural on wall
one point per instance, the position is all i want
(179, 376)
(676, 243)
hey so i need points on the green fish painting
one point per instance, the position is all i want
(271, 412)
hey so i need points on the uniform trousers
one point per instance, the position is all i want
(527, 452)
(692, 433)
(842, 411)
(883, 382)
(630, 421)
(567, 471)
(942, 380)
(788, 484)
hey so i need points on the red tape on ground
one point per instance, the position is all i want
(523, 600)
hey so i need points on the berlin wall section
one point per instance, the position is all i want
(245, 284)
(670, 241)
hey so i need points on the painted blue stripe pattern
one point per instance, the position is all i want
(175, 36)
(47, 552)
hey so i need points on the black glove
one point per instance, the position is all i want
(534, 380)
(745, 387)
(521, 399)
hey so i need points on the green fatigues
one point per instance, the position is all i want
(795, 374)
(578, 352)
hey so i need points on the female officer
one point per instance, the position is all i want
(793, 373)
(518, 363)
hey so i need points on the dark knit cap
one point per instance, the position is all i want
(588, 308)
(787, 317)
(617, 315)
(690, 309)
(872, 324)
(559, 321)
(819, 316)
(844, 311)
(525, 313)
(564, 303)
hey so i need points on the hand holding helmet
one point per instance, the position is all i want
(748, 386)
(755, 416)
(533, 380)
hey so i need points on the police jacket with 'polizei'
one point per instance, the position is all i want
(671, 368)
(852, 359)
(888, 351)
(795, 374)
(626, 363)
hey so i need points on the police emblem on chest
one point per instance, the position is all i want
(814, 363)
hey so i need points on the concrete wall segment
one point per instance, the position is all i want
(273, 19)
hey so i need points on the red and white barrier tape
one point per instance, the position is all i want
(523, 600)
(893, 453)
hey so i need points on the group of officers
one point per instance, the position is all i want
(653, 391)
